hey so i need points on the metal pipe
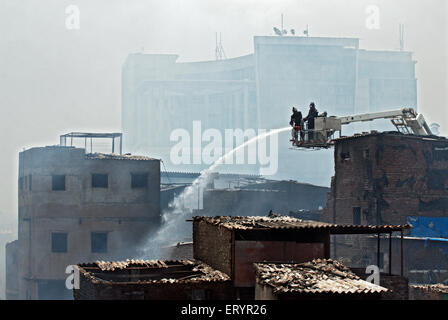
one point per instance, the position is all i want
(378, 252)
(402, 254)
(390, 253)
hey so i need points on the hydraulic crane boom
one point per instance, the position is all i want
(405, 120)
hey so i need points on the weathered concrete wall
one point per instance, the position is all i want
(263, 292)
(259, 199)
(11, 274)
(126, 214)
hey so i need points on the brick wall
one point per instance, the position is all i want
(399, 287)
(428, 292)
(213, 245)
(389, 177)
(154, 291)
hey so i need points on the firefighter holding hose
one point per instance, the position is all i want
(295, 123)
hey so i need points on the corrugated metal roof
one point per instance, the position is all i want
(112, 156)
(317, 276)
(287, 222)
(151, 271)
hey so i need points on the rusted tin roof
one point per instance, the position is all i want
(286, 222)
(150, 271)
(317, 276)
(112, 156)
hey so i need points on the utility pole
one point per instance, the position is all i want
(401, 32)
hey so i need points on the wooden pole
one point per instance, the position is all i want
(378, 252)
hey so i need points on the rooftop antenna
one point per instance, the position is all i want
(307, 31)
(281, 31)
(282, 24)
(219, 50)
(401, 31)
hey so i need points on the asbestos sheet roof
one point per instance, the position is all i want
(112, 156)
(260, 222)
(314, 277)
(286, 222)
(150, 271)
(437, 288)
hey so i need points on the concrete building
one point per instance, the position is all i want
(152, 280)
(257, 91)
(76, 207)
(260, 198)
(391, 178)
(8, 232)
(243, 195)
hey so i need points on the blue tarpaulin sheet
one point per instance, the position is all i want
(429, 227)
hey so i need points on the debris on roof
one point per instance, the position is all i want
(317, 276)
(113, 156)
(437, 288)
(276, 221)
(150, 271)
(260, 222)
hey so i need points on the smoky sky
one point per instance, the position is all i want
(54, 80)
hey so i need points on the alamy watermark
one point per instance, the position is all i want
(209, 146)
(72, 281)
(374, 274)
(72, 19)
(373, 17)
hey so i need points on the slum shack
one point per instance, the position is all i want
(152, 280)
(314, 280)
(232, 244)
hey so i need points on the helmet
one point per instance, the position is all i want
(294, 109)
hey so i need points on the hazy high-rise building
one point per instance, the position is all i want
(258, 91)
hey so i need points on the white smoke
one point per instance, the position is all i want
(174, 225)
